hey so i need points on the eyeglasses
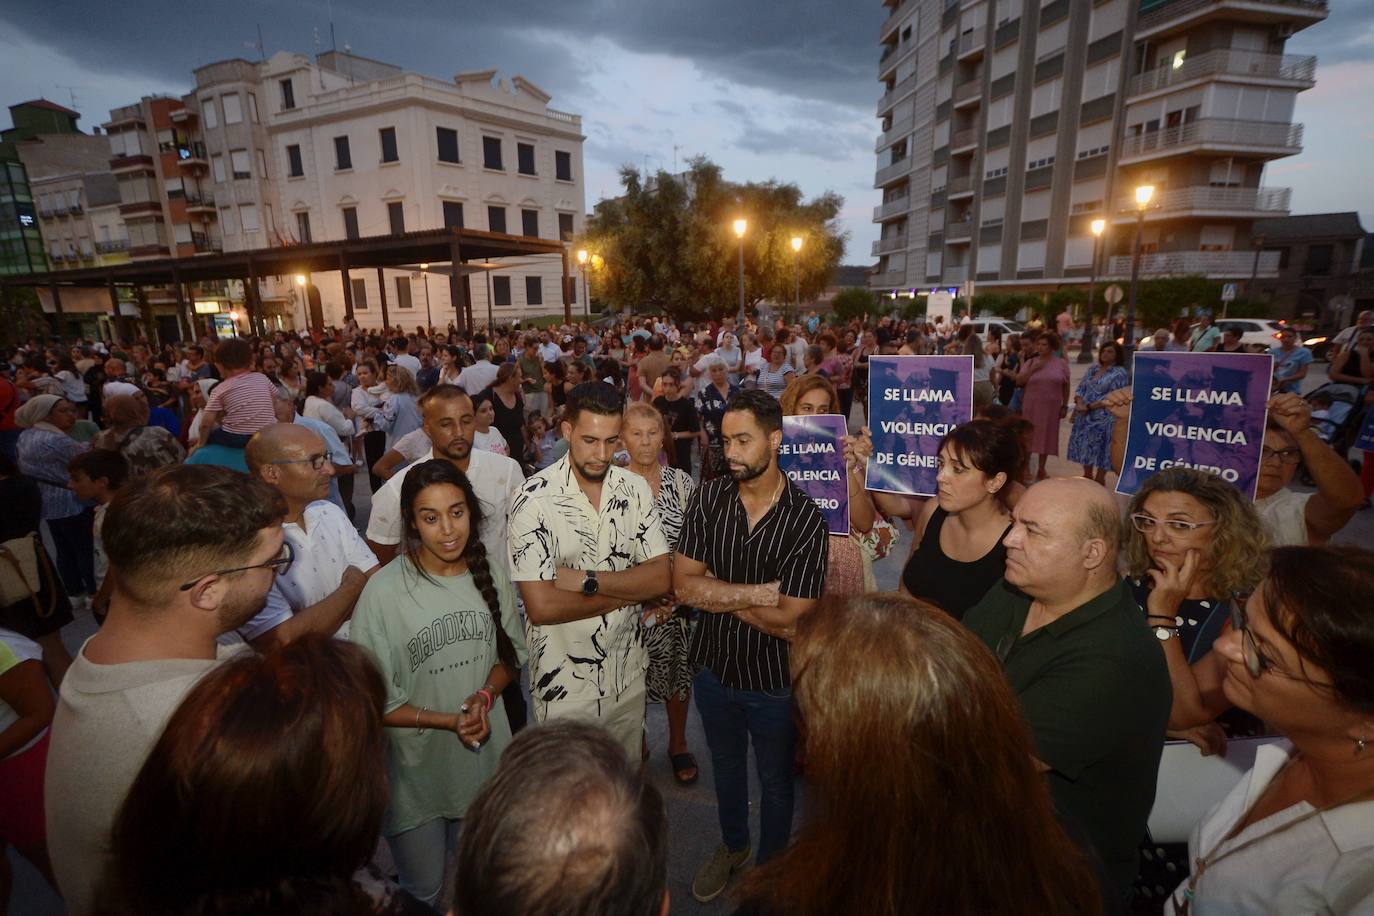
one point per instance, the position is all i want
(1146, 523)
(1256, 662)
(315, 461)
(1282, 455)
(279, 565)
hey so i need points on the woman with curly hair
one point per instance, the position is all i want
(440, 620)
(1193, 542)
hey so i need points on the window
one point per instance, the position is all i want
(524, 154)
(496, 219)
(453, 214)
(233, 108)
(529, 223)
(262, 164)
(534, 291)
(565, 226)
(491, 153)
(252, 108)
(343, 158)
(500, 290)
(388, 138)
(217, 165)
(403, 292)
(448, 144)
(248, 218)
(227, 224)
(303, 228)
(239, 164)
(562, 165)
(1319, 259)
(350, 218)
(288, 95)
(395, 212)
(294, 167)
(359, 293)
(209, 113)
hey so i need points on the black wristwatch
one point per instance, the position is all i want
(589, 585)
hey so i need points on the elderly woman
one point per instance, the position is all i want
(1091, 435)
(45, 448)
(1045, 403)
(401, 412)
(711, 403)
(145, 447)
(1293, 836)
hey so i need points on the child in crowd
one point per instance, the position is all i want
(241, 404)
(96, 476)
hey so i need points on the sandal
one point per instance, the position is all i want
(682, 763)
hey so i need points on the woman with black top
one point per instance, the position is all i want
(509, 408)
(1008, 364)
(959, 553)
(868, 346)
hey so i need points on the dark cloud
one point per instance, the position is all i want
(1347, 34)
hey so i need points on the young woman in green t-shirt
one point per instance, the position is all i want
(442, 623)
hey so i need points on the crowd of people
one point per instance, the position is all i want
(568, 524)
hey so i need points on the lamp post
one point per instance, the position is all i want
(305, 300)
(796, 261)
(1142, 200)
(429, 318)
(740, 227)
(1085, 353)
(582, 259)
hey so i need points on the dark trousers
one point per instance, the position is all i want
(514, 701)
(75, 546)
(345, 482)
(731, 719)
(374, 447)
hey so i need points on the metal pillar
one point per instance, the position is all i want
(183, 319)
(347, 286)
(386, 317)
(457, 293)
(567, 296)
(1135, 279)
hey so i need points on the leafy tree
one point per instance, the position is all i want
(854, 302)
(670, 243)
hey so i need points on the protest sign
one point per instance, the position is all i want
(812, 457)
(1365, 440)
(912, 402)
(1197, 410)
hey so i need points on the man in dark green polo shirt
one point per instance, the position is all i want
(1091, 679)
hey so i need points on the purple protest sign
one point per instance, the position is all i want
(812, 457)
(1197, 410)
(1365, 440)
(912, 402)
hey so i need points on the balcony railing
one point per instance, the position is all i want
(890, 244)
(953, 273)
(971, 42)
(892, 172)
(200, 201)
(1180, 9)
(963, 139)
(130, 163)
(968, 92)
(1214, 264)
(897, 131)
(957, 186)
(891, 97)
(1269, 201)
(191, 154)
(894, 207)
(893, 279)
(203, 242)
(890, 22)
(112, 245)
(1289, 67)
(1245, 135)
(960, 229)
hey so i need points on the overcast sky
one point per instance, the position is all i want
(781, 89)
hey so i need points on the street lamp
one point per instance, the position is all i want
(305, 300)
(740, 227)
(1143, 194)
(429, 318)
(796, 261)
(582, 258)
(1085, 352)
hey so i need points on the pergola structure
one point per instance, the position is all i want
(453, 247)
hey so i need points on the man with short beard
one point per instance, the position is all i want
(193, 551)
(586, 548)
(752, 554)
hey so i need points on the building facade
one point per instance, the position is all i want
(1320, 267)
(1009, 126)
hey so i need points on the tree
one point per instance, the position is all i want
(669, 243)
(854, 302)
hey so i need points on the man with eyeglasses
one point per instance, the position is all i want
(332, 563)
(1093, 686)
(193, 551)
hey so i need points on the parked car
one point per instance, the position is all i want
(1257, 335)
(981, 326)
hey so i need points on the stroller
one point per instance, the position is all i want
(1336, 411)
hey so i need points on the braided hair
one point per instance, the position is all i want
(442, 471)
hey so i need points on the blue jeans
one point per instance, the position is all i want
(420, 854)
(730, 719)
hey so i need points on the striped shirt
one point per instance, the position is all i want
(788, 545)
(246, 401)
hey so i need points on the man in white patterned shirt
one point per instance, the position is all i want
(586, 549)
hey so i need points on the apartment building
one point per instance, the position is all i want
(347, 147)
(21, 236)
(1008, 126)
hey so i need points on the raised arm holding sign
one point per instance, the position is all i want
(913, 401)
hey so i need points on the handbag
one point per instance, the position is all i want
(21, 576)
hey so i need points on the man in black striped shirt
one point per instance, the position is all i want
(751, 554)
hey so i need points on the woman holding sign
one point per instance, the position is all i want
(1045, 403)
(1090, 440)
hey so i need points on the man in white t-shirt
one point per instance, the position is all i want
(193, 550)
(549, 351)
(116, 380)
(478, 377)
(332, 563)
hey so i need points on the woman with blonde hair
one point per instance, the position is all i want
(927, 791)
(401, 412)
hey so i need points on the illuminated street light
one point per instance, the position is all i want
(1143, 195)
(1085, 350)
(740, 227)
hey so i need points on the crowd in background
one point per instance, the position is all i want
(597, 510)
